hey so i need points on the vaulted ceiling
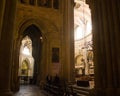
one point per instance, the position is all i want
(82, 17)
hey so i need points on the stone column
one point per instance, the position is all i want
(36, 2)
(68, 39)
(106, 32)
(2, 7)
(15, 79)
(6, 45)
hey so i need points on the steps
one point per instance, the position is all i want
(81, 91)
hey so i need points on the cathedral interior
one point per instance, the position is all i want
(64, 47)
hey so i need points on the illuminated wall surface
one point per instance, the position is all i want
(83, 37)
(26, 61)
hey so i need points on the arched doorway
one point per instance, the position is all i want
(26, 61)
(30, 54)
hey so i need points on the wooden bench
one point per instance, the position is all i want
(83, 83)
(82, 91)
(53, 89)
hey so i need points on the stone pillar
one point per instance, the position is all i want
(2, 7)
(15, 79)
(68, 40)
(6, 45)
(106, 32)
(36, 2)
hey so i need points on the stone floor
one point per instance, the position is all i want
(30, 90)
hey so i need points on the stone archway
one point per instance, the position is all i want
(43, 37)
(36, 37)
(17, 45)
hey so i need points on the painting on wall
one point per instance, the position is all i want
(55, 61)
(55, 55)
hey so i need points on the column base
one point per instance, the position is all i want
(107, 92)
(113, 91)
(99, 92)
(118, 91)
(6, 93)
